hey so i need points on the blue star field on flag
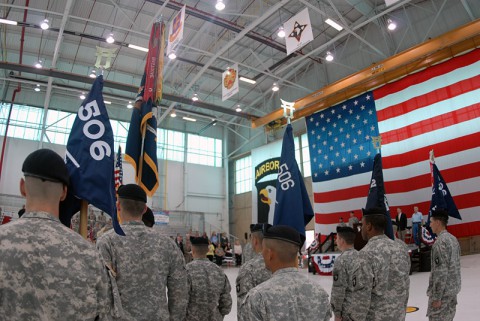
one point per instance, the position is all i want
(340, 139)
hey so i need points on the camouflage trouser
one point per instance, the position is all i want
(445, 313)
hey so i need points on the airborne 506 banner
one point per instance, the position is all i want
(265, 163)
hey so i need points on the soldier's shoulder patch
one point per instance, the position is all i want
(238, 288)
(437, 260)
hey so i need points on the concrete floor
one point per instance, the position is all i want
(468, 308)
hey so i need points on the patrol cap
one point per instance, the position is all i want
(345, 229)
(132, 192)
(198, 240)
(283, 233)
(46, 165)
(148, 219)
(440, 213)
(259, 227)
(373, 211)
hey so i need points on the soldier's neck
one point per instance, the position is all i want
(38, 206)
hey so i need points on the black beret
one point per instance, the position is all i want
(345, 229)
(132, 192)
(148, 218)
(46, 165)
(283, 233)
(198, 240)
(440, 213)
(258, 227)
(373, 211)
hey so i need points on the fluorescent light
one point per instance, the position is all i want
(107, 102)
(250, 81)
(172, 55)
(137, 47)
(220, 5)
(195, 97)
(275, 87)
(44, 25)
(188, 118)
(329, 56)
(8, 22)
(334, 24)
(391, 25)
(37, 88)
(110, 38)
(281, 32)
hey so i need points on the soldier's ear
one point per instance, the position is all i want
(22, 187)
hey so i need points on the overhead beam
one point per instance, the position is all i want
(409, 61)
(120, 86)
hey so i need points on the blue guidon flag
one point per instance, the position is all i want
(293, 207)
(90, 157)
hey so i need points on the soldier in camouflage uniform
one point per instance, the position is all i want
(445, 280)
(390, 266)
(145, 264)
(49, 272)
(351, 287)
(254, 271)
(288, 294)
(248, 252)
(209, 288)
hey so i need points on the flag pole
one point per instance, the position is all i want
(83, 219)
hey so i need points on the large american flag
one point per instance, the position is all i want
(437, 108)
(118, 169)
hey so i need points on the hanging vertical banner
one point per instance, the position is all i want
(298, 30)
(230, 82)
(175, 30)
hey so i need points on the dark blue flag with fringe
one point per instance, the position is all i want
(376, 193)
(90, 158)
(293, 207)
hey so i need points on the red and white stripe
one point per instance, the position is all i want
(437, 108)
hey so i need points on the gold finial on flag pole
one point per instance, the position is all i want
(377, 142)
(288, 109)
(432, 157)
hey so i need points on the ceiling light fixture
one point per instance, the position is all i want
(188, 118)
(172, 55)
(107, 102)
(220, 5)
(173, 114)
(110, 38)
(93, 73)
(238, 109)
(195, 97)
(129, 106)
(275, 87)
(39, 64)
(82, 96)
(250, 81)
(334, 24)
(137, 47)
(8, 22)
(44, 25)
(391, 25)
(37, 88)
(281, 32)
(329, 56)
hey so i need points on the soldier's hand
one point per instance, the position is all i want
(436, 304)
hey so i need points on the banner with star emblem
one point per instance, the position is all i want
(298, 30)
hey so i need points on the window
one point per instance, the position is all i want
(25, 121)
(170, 145)
(307, 170)
(243, 175)
(204, 150)
(58, 126)
(120, 133)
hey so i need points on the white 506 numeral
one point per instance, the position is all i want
(285, 178)
(99, 148)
